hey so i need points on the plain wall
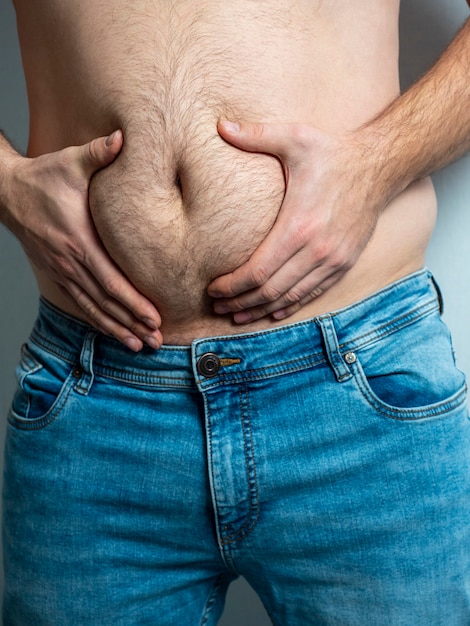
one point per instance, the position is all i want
(426, 26)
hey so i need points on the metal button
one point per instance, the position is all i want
(350, 358)
(209, 365)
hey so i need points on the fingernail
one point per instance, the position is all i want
(280, 315)
(221, 308)
(231, 127)
(111, 138)
(214, 294)
(152, 342)
(242, 317)
(133, 344)
(150, 323)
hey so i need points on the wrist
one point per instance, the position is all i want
(10, 162)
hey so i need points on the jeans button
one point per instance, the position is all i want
(209, 365)
(350, 358)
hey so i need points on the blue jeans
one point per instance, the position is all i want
(327, 462)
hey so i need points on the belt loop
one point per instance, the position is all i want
(330, 340)
(85, 381)
(438, 291)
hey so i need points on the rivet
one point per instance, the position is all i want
(77, 372)
(350, 358)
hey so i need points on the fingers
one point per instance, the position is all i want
(314, 240)
(111, 302)
(293, 229)
(60, 238)
(255, 274)
(304, 292)
(287, 237)
(98, 153)
(108, 316)
(281, 140)
(107, 297)
(278, 285)
(118, 287)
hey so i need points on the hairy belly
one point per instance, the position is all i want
(179, 206)
(174, 221)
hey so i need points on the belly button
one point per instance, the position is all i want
(178, 184)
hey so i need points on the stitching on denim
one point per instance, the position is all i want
(408, 414)
(295, 325)
(211, 599)
(27, 367)
(42, 422)
(378, 294)
(388, 329)
(75, 320)
(249, 375)
(210, 463)
(333, 350)
(144, 380)
(319, 358)
(53, 348)
(257, 374)
(253, 508)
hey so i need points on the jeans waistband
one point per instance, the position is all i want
(211, 361)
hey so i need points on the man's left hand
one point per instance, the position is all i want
(329, 212)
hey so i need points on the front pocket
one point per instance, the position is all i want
(43, 381)
(411, 374)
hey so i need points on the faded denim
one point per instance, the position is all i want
(327, 462)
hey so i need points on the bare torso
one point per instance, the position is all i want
(179, 206)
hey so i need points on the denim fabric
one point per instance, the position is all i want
(327, 461)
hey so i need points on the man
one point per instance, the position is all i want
(290, 429)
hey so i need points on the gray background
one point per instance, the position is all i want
(426, 27)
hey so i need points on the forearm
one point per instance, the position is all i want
(7, 158)
(428, 126)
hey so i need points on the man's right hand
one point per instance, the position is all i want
(48, 212)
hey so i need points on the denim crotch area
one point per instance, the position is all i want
(237, 376)
(234, 374)
(231, 460)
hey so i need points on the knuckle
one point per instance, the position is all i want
(339, 260)
(75, 249)
(91, 151)
(300, 136)
(293, 296)
(257, 130)
(335, 262)
(107, 305)
(236, 305)
(64, 267)
(319, 255)
(111, 285)
(299, 234)
(315, 293)
(90, 310)
(259, 276)
(270, 293)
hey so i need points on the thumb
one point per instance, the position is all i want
(99, 153)
(256, 136)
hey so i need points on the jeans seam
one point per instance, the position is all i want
(43, 422)
(143, 380)
(253, 511)
(389, 329)
(408, 414)
(211, 599)
(247, 376)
